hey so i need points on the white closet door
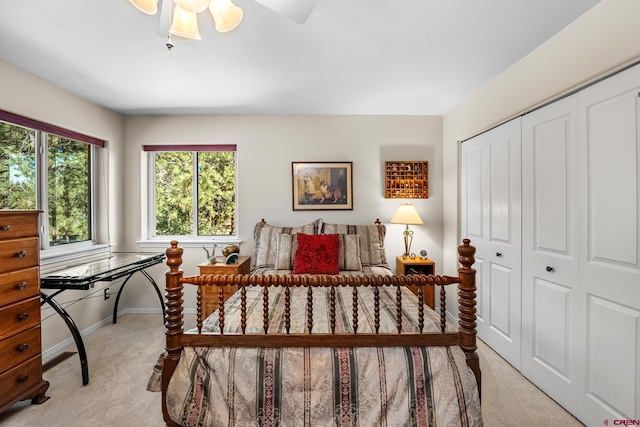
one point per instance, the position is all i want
(609, 333)
(474, 190)
(550, 249)
(492, 220)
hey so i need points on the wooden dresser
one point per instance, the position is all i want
(210, 299)
(20, 339)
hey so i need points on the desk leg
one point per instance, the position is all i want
(115, 305)
(82, 353)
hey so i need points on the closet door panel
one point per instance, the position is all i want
(550, 249)
(612, 177)
(474, 187)
(474, 206)
(606, 384)
(504, 246)
(610, 265)
(551, 339)
(491, 170)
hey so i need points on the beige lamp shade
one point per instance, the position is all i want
(226, 15)
(184, 24)
(406, 214)
(150, 7)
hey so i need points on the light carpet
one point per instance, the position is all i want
(121, 358)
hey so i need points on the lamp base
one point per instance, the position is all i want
(408, 239)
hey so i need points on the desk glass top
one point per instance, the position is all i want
(117, 265)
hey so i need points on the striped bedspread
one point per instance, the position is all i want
(390, 386)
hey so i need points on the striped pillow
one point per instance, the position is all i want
(349, 253)
(371, 241)
(286, 245)
(265, 237)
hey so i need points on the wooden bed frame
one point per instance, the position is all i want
(176, 338)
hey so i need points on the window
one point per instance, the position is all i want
(51, 169)
(192, 191)
(68, 190)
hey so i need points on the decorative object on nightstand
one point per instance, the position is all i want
(211, 256)
(407, 215)
(210, 294)
(406, 266)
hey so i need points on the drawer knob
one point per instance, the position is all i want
(21, 286)
(23, 378)
(5, 227)
(498, 254)
(21, 254)
(23, 316)
(549, 269)
(23, 347)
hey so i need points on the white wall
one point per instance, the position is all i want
(266, 147)
(602, 41)
(29, 96)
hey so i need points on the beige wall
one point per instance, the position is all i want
(266, 147)
(602, 41)
(29, 96)
(598, 43)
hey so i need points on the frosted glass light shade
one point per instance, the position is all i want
(150, 7)
(226, 15)
(195, 6)
(184, 24)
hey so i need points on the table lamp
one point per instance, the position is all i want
(407, 215)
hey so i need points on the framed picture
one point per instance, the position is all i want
(322, 186)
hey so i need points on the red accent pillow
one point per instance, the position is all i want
(316, 254)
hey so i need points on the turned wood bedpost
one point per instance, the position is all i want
(467, 307)
(173, 319)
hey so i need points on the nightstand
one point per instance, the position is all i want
(210, 293)
(408, 265)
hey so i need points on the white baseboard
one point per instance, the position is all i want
(52, 352)
(151, 311)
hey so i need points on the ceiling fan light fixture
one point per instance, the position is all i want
(195, 6)
(150, 7)
(226, 15)
(184, 24)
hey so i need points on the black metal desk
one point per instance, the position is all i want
(81, 277)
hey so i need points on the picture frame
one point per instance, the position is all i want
(322, 186)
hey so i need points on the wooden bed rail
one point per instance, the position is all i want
(176, 338)
(317, 281)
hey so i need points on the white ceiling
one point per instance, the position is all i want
(404, 57)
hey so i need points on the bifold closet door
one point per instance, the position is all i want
(491, 218)
(550, 249)
(609, 331)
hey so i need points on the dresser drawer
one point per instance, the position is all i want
(18, 348)
(19, 317)
(18, 254)
(19, 285)
(20, 379)
(18, 225)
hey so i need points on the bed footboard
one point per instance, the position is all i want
(176, 338)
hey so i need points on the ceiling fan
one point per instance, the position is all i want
(178, 17)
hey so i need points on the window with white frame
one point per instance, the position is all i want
(50, 169)
(192, 191)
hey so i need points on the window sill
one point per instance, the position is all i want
(69, 255)
(188, 242)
